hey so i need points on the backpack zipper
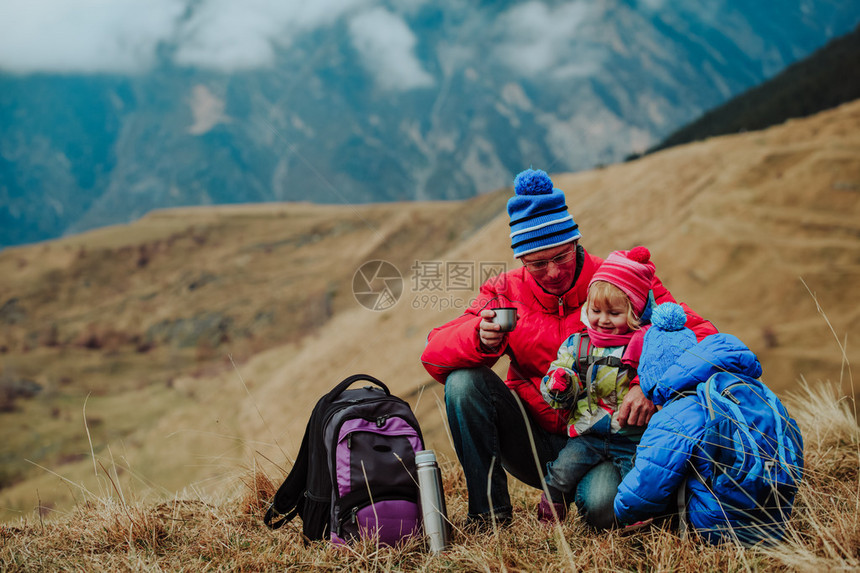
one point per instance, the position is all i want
(313, 497)
(727, 393)
(380, 422)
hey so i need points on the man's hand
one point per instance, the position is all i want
(636, 409)
(488, 331)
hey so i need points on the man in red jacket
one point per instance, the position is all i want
(498, 425)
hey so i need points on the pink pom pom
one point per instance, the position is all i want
(639, 255)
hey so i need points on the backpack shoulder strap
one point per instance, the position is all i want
(290, 496)
(678, 395)
(584, 358)
(581, 346)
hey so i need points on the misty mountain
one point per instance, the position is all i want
(376, 102)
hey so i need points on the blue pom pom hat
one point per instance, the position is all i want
(664, 343)
(539, 216)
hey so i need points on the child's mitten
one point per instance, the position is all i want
(559, 381)
(560, 388)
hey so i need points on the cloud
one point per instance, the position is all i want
(123, 36)
(84, 35)
(652, 5)
(229, 35)
(535, 39)
(386, 45)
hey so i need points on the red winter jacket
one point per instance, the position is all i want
(544, 321)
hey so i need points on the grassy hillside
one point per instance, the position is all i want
(181, 349)
(821, 81)
(120, 330)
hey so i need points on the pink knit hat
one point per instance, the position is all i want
(632, 272)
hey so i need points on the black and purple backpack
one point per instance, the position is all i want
(355, 474)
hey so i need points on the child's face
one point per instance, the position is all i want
(608, 319)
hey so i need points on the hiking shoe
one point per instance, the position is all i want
(545, 512)
(635, 527)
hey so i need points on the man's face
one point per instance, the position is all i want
(554, 269)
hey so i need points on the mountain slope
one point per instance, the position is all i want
(180, 345)
(824, 80)
(451, 101)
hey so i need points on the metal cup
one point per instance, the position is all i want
(506, 317)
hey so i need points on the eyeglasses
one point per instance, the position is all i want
(542, 265)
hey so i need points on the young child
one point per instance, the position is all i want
(675, 469)
(591, 375)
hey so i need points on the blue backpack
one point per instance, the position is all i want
(755, 451)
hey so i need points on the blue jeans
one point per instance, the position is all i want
(582, 454)
(491, 430)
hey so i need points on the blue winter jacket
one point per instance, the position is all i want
(665, 456)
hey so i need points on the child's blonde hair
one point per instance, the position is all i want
(604, 294)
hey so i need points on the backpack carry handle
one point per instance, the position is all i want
(352, 380)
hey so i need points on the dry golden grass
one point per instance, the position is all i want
(114, 532)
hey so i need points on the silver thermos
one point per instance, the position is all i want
(436, 526)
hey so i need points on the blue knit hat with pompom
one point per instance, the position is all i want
(665, 341)
(539, 217)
